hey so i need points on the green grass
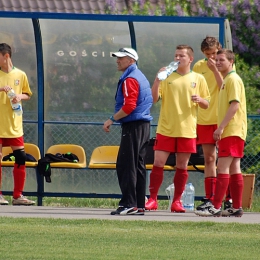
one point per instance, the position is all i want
(60, 239)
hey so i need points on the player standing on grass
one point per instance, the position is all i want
(230, 135)
(11, 125)
(207, 119)
(181, 94)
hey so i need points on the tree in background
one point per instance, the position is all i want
(244, 18)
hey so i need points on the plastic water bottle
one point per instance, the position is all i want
(17, 107)
(188, 198)
(168, 71)
(170, 193)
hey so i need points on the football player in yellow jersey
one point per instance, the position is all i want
(230, 135)
(207, 119)
(11, 130)
(181, 94)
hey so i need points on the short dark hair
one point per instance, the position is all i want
(5, 48)
(230, 55)
(210, 43)
(187, 47)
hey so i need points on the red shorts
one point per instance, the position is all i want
(17, 141)
(175, 144)
(205, 134)
(231, 146)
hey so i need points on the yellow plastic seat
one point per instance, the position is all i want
(29, 148)
(66, 148)
(104, 157)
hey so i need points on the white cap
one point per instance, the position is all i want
(123, 52)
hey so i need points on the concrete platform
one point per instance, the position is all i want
(97, 213)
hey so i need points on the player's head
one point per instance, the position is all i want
(230, 55)
(5, 48)
(210, 43)
(190, 51)
(184, 54)
(210, 47)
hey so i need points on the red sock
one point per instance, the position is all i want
(156, 178)
(19, 180)
(210, 186)
(236, 189)
(221, 188)
(179, 180)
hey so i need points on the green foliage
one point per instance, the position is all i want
(242, 34)
(242, 14)
(251, 78)
(253, 169)
(254, 147)
(244, 19)
(250, 162)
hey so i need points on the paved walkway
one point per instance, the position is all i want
(96, 213)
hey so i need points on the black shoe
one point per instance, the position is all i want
(124, 211)
(227, 204)
(206, 203)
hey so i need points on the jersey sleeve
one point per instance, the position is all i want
(130, 92)
(25, 85)
(234, 89)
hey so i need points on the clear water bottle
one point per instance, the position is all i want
(168, 70)
(17, 107)
(188, 198)
(170, 193)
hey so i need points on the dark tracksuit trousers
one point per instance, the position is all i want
(130, 166)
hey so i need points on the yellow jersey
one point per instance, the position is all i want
(178, 114)
(233, 89)
(208, 116)
(11, 124)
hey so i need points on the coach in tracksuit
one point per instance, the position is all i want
(132, 111)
